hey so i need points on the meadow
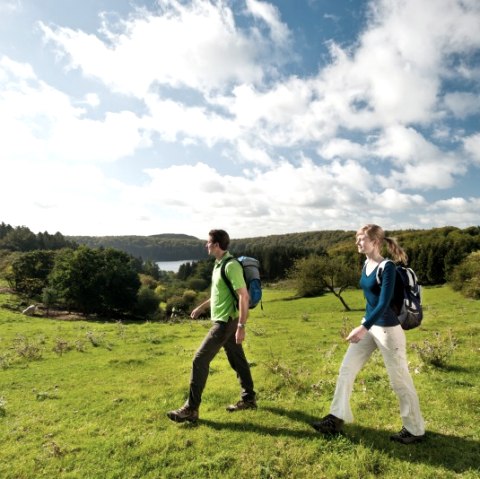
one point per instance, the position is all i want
(88, 399)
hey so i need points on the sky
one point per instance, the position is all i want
(142, 117)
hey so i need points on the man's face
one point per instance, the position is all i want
(211, 246)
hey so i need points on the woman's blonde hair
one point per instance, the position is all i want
(376, 233)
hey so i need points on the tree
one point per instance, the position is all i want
(466, 276)
(315, 274)
(20, 239)
(76, 281)
(29, 272)
(148, 303)
(119, 281)
(100, 281)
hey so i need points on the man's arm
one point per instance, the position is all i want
(243, 302)
(200, 309)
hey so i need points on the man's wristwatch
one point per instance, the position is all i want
(241, 325)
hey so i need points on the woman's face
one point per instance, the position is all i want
(364, 244)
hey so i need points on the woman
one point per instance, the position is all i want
(380, 329)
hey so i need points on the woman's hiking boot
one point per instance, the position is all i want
(241, 405)
(330, 424)
(185, 413)
(406, 437)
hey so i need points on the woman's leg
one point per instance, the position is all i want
(356, 356)
(392, 344)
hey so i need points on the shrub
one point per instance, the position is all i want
(198, 284)
(438, 351)
(466, 276)
(26, 349)
(148, 302)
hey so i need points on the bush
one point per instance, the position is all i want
(29, 272)
(148, 303)
(147, 280)
(466, 276)
(198, 284)
(438, 351)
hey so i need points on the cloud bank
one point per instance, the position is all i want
(373, 135)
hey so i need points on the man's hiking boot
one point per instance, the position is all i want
(241, 405)
(185, 413)
(406, 437)
(330, 424)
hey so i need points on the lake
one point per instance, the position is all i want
(173, 265)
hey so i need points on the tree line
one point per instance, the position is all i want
(20, 238)
(433, 253)
(161, 247)
(100, 279)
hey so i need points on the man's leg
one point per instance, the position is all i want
(210, 346)
(238, 361)
(213, 342)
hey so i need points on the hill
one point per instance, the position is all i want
(160, 247)
(447, 246)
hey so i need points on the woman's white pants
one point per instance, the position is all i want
(392, 345)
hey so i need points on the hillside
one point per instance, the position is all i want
(160, 247)
(171, 247)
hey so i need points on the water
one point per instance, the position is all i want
(173, 265)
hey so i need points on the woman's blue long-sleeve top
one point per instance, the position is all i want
(379, 297)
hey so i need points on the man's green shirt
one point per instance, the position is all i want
(222, 303)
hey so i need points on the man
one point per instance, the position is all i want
(227, 331)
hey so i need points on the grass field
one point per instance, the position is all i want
(85, 399)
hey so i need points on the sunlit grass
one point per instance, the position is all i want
(95, 407)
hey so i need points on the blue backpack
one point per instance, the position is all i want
(251, 273)
(407, 297)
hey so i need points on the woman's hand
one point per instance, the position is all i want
(357, 334)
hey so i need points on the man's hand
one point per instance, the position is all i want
(240, 335)
(200, 309)
(196, 313)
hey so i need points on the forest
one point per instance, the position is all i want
(118, 276)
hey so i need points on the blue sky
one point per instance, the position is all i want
(260, 117)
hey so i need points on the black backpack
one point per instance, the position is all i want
(407, 297)
(251, 273)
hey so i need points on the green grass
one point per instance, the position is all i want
(85, 399)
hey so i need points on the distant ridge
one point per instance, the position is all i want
(159, 247)
(172, 236)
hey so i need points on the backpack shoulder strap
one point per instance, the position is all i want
(380, 269)
(226, 279)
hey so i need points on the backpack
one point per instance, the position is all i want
(407, 297)
(251, 273)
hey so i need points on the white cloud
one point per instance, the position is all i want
(462, 104)
(349, 144)
(416, 162)
(173, 121)
(461, 212)
(10, 6)
(472, 147)
(271, 16)
(39, 122)
(342, 148)
(219, 54)
(392, 200)
(252, 154)
(92, 99)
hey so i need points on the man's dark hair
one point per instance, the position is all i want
(221, 237)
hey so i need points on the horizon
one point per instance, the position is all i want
(244, 237)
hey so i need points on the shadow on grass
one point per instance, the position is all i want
(451, 452)
(257, 428)
(455, 453)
